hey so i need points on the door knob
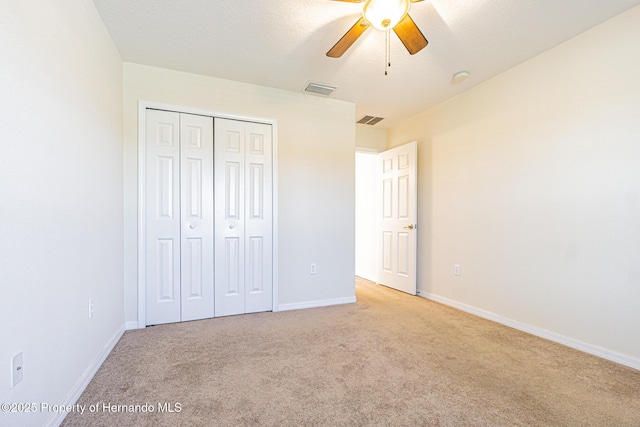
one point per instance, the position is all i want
(192, 226)
(232, 226)
(410, 226)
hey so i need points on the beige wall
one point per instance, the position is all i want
(61, 206)
(316, 205)
(370, 138)
(531, 182)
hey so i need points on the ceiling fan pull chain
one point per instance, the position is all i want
(386, 38)
(389, 47)
(387, 54)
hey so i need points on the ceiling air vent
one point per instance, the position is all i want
(369, 120)
(319, 89)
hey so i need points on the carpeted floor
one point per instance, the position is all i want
(389, 360)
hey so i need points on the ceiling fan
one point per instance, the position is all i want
(383, 15)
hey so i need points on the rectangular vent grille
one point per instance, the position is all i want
(369, 120)
(320, 89)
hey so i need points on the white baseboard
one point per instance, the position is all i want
(604, 353)
(129, 326)
(367, 279)
(86, 378)
(314, 304)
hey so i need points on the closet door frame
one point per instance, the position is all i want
(142, 122)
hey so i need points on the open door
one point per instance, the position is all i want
(397, 228)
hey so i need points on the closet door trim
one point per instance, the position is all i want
(142, 110)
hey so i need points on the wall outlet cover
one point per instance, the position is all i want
(17, 369)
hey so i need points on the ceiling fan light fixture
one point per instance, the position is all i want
(385, 14)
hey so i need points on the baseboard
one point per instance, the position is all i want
(366, 280)
(314, 304)
(604, 353)
(129, 326)
(372, 279)
(86, 378)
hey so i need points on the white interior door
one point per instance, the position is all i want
(178, 217)
(397, 229)
(243, 217)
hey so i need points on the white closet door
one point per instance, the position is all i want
(179, 217)
(196, 200)
(243, 217)
(162, 202)
(258, 220)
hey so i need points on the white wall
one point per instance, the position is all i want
(531, 181)
(316, 180)
(61, 204)
(369, 140)
(366, 205)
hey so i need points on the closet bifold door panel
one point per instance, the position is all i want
(243, 217)
(178, 217)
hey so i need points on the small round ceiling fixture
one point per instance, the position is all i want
(460, 76)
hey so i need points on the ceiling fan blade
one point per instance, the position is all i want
(410, 35)
(348, 39)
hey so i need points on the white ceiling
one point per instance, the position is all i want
(282, 44)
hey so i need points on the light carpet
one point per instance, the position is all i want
(390, 359)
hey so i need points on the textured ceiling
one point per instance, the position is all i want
(282, 44)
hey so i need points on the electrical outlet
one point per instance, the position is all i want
(17, 369)
(90, 308)
(312, 268)
(456, 269)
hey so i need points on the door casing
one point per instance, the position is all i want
(142, 107)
